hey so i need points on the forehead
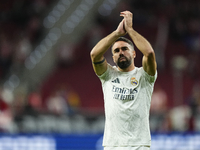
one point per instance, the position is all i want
(120, 44)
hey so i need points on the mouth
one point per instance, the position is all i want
(122, 59)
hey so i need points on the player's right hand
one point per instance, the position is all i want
(121, 29)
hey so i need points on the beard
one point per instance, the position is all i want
(124, 64)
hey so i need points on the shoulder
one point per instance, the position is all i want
(142, 73)
(109, 72)
(149, 78)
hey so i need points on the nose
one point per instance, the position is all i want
(121, 52)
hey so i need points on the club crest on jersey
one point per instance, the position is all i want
(134, 81)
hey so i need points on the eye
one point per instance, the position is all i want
(124, 48)
(116, 50)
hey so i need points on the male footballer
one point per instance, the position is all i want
(127, 89)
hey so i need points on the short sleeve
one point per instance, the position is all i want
(150, 78)
(106, 75)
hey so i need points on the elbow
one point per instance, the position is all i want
(150, 53)
(95, 56)
(92, 55)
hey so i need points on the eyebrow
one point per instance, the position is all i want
(115, 49)
(119, 48)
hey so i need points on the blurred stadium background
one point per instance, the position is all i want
(50, 98)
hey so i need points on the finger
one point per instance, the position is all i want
(124, 25)
(125, 13)
(122, 21)
(122, 14)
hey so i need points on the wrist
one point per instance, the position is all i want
(117, 34)
(130, 29)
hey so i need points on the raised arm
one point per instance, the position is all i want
(149, 60)
(97, 54)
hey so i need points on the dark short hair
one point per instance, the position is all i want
(125, 40)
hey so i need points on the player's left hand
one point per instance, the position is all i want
(128, 19)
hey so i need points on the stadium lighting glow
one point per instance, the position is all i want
(28, 64)
(48, 42)
(67, 28)
(56, 13)
(107, 6)
(12, 82)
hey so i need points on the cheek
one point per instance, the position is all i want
(115, 59)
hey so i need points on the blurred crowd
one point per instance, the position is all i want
(21, 30)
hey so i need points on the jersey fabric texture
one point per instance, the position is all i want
(128, 148)
(127, 98)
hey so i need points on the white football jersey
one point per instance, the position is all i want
(127, 98)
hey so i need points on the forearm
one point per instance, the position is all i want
(149, 60)
(102, 46)
(140, 42)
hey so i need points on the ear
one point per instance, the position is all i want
(134, 54)
(113, 59)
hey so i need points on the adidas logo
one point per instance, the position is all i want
(116, 80)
